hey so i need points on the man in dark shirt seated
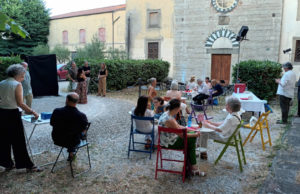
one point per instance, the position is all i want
(217, 88)
(69, 125)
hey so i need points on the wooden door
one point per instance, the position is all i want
(220, 67)
(153, 50)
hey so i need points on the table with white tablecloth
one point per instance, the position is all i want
(250, 102)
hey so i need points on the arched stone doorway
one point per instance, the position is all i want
(221, 44)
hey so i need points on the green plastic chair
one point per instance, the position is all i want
(234, 140)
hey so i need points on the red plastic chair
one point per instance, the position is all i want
(160, 148)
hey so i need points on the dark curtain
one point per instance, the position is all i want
(43, 74)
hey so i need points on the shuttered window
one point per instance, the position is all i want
(101, 34)
(65, 37)
(81, 36)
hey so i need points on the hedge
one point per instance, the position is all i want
(123, 73)
(259, 76)
(5, 62)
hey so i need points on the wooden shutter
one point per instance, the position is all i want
(65, 37)
(153, 50)
(101, 34)
(297, 51)
(81, 36)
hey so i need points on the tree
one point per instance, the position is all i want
(41, 49)
(93, 50)
(8, 26)
(34, 17)
(62, 53)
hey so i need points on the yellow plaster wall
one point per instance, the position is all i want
(91, 24)
(140, 33)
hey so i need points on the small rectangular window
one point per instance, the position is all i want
(152, 50)
(101, 34)
(81, 36)
(154, 19)
(297, 51)
(65, 37)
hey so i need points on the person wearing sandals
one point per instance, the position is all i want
(102, 80)
(12, 129)
(81, 89)
(174, 141)
(224, 129)
(143, 110)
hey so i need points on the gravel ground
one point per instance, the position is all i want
(113, 172)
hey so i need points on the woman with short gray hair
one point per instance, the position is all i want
(173, 93)
(224, 129)
(12, 129)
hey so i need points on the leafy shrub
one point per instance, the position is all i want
(93, 50)
(259, 76)
(62, 53)
(122, 73)
(5, 62)
(41, 49)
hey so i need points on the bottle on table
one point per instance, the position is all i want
(190, 121)
(200, 124)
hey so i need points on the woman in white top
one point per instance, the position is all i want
(173, 141)
(173, 93)
(12, 129)
(192, 85)
(143, 110)
(224, 129)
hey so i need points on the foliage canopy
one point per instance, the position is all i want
(259, 76)
(32, 16)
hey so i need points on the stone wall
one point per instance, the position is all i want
(195, 20)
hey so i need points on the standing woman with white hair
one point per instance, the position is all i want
(151, 89)
(12, 129)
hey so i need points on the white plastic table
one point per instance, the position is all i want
(253, 104)
(39, 121)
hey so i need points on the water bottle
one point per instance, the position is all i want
(238, 90)
(190, 121)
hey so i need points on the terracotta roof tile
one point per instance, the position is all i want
(90, 11)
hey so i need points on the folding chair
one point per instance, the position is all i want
(83, 143)
(196, 107)
(134, 131)
(234, 140)
(160, 148)
(260, 125)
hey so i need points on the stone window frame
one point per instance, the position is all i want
(146, 47)
(148, 18)
(294, 50)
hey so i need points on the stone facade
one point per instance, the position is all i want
(140, 34)
(290, 32)
(197, 20)
(90, 21)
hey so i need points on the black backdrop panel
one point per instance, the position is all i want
(43, 74)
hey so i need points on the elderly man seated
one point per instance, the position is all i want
(69, 125)
(203, 92)
(224, 129)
